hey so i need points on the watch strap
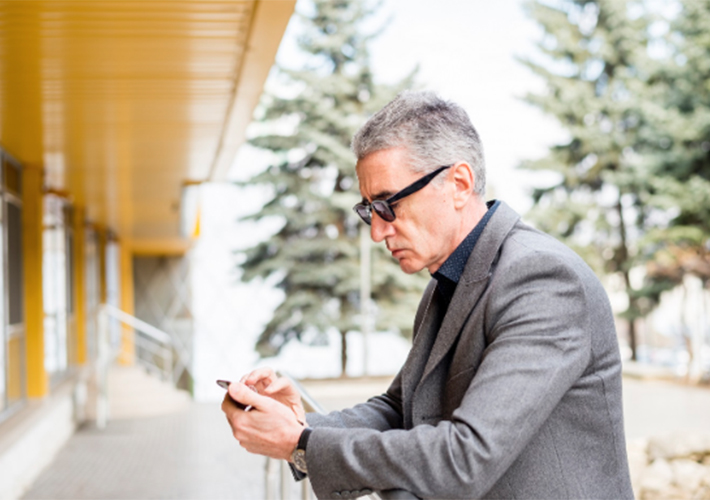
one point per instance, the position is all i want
(303, 440)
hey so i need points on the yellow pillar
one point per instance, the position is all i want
(80, 285)
(102, 238)
(32, 209)
(128, 346)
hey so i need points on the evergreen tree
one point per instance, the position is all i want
(679, 150)
(595, 64)
(315, 254)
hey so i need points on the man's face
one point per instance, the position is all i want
(419, 236)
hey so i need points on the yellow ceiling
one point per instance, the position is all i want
(122, 102)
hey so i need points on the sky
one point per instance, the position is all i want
(466, 51)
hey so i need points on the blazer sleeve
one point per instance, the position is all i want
(381, 413)
(538, 331)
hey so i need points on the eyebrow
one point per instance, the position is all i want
(382, 195)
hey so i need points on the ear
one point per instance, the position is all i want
(464, 183)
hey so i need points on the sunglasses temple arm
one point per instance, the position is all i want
(416, 186)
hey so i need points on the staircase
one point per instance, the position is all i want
(133, 393)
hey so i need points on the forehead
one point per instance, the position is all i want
(383, 173)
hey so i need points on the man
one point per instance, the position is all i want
(512, 388)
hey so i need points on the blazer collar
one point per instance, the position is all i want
(472, 284)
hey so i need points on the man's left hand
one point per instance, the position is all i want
(269, 428)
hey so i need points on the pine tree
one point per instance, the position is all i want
(594, 61)
(315, 254)
(679, 152)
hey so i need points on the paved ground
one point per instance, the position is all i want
(653, 408)
(184, 455)
(189, 453)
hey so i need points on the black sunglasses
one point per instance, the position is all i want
(384, 208)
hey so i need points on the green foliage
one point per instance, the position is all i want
(594, 61)
(308, 122)
(630, 85)
(679, 155)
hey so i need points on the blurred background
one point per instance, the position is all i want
(176, 208)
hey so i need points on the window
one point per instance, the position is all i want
(57, 287)
(93, 291)
(113, 287)
(12, 333)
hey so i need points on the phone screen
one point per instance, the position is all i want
(224, 384)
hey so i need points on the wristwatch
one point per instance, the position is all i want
(298, 456)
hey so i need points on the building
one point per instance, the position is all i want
(109, 111)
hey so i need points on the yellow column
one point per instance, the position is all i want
(80, 284)
(32, 209)
(102, 240)
(128, 347)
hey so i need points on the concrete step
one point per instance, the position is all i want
(133, 393)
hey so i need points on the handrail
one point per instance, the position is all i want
(138, 324)
(162, 349)
(312, 406)
(309, 403)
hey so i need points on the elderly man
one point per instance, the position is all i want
(512, 388)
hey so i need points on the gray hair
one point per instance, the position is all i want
(434, 132)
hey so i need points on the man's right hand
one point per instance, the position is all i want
(267, 383)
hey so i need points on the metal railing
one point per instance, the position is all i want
(279, 471)
(284, 473)
(154, 350)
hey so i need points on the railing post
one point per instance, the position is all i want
(285, 478)
(102, 410)
(269, 492)
(168, 365)
(305, 489)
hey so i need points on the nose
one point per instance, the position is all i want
(380, 228)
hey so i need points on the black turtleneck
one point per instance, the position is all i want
(449, 274)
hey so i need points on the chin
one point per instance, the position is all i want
(410, 267)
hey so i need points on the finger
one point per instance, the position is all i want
(228, 405)
(264, 375)
(247, 396)
(279, 385)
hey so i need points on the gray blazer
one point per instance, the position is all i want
(516, 394)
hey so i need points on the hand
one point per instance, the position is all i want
(269, 428)
(267, 383)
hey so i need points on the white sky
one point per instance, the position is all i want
(466, 52)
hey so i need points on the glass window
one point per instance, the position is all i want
(3, 335)
(12, 328)
(57, 287)
(15, 272)
(93, 291)
(113, 290)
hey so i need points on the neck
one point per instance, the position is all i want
(471, 215)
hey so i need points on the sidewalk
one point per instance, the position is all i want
(189, 453)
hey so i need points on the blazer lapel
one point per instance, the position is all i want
(425, 331)
(472, 284)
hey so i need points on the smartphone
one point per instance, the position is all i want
(224, 384)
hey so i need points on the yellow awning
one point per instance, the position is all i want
(123, 102)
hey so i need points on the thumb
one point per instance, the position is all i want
(245, 395)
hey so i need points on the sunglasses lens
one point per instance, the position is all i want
(383, 209)
(364, 212)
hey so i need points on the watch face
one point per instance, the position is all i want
(299, 460)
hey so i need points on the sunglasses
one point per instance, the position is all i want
(384, 208)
